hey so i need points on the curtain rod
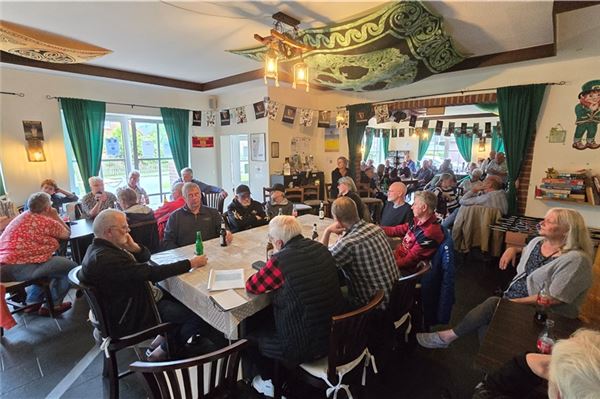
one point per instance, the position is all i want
(49, 97)
(461, 92)
(12, 93)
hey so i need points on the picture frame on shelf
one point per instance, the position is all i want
(274, 149)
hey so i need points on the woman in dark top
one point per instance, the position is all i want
(347, 188)
(339, 172)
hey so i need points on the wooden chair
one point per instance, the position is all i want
(213, 200)
(311, 196)
(146, 233)
(211, 375)
(328, 191)
(112, 344)
(347, 350)
(266, 194)
(17, 296)
(74, 210)
(295, 194)
(364, 190)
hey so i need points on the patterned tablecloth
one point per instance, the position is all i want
(247, 247)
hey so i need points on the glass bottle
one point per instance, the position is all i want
(280, 212)
(199, 245)
(546, 339)
(321, 211)
(223, 234)
(269, 250)
(314, 232)
(295, 212)
(541, 306)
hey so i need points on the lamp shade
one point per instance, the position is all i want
(301, 75)
(35, 150)
(271, 66)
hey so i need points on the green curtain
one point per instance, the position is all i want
(368, 144)
(518, 108)
(177, 125)
(385, 144)
(85, 126)
(355, 133)
(424, 143)
(497, 141)
(464, 143)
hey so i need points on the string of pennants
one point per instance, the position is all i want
(477, 130)
(270, 109)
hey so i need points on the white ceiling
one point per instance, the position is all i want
(187, 40)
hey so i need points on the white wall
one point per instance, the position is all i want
(23, 177)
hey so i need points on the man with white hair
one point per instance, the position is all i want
(97, 200)
(474, 177)
(303, 280)
(133, 182)
(183, 224)
(118, 268)
(498, 167)
(187, 175)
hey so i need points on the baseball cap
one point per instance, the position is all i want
(277, 187)
(242, 189)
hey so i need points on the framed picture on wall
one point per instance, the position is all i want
(274, 149)
(257, 147)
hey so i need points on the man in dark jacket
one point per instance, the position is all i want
(245, 213)
(118, 268)
(306, 294)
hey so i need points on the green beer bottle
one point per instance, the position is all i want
(199, 246)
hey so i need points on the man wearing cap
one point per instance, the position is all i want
(588, 116)
(245, 213)
(183, 224)
(278, 202)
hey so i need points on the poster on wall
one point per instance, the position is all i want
(362, 117)
(211, 118)
(259, 110)
(332, 140)
(341, 119)
(225, 117)
(240, 115)
(33, 130)
(587, 114)
(203, 142)
(289, 114)
(306, 117)
(196, 118)
(381, 113)
(557, 134)
(257, 147)
(272, 109)
(324, 119)
(300, 146)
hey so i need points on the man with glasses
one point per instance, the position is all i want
(245, 213)
(183, 224)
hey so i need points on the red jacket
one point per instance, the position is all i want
(421, 240)
(162, 214)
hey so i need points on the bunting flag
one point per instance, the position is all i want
(385, 132)
(306, 117)
(395, 133)
(413, 121)
(425, 124)
(272, 109)
(488, 129)
(341, 119)
(438, 127)
(401, 132)
(240, 115)
(289, 114)
(377, 132)
(324, 119)
(450, 128)
(499, 129)
(475, 129)
(225, 117)
(259, 110)
(463, 128)
(211, 118)
(196, 118)
(381, 113)
(362, 117)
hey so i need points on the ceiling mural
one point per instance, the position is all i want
(396, 45)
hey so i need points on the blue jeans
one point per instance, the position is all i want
(56, 268)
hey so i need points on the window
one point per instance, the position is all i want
(132, 143)
(376, 152)
(443, 147)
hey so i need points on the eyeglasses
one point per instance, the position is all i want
(124, 227)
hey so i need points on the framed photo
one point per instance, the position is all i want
(257, 147)
(274, 149)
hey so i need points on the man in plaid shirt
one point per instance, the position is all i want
(362, 252)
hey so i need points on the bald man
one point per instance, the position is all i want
(396, 210)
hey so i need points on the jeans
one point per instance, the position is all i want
(478, 318)
(188, 323)
(449, 221)
(56, 268)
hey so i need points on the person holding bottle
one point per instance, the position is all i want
(559, 259)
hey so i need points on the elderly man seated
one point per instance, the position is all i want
(26, 252)
(118, 268)
(278, 203)
(162, 214)
(396, 210)
(424, 176)
(467, 183)
(362, 252)
(136, 213)
(97, 200)
(187, 176)
(245, 213)
(498, 167)
(133, 182)
(183, 224)
(421, 236)
(303, 280)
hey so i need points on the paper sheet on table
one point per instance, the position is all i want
(226, 279)
(229, 299)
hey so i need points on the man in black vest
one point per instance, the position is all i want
(306, 294)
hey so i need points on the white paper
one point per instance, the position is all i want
(229, 299)
(226, 279)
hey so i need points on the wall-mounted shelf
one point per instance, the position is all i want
(567, 201)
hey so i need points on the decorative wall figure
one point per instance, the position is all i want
(588, 116)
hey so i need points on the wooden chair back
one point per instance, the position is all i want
(402, 296)
(207, 376)
(266, 194)
(348, 338)
(213, 200)
(311, 192)
(328, 191)
(146, 233)
(364, 190)
(295, 194)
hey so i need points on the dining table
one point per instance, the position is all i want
(81, 237)
(247, 246)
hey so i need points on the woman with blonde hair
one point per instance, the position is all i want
(560, 260)
(347, 188)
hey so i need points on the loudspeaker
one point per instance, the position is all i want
(212, 102)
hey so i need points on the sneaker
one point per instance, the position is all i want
(431, 340)
(58, 309)
(264, 387)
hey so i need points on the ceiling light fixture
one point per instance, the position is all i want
(284, 44)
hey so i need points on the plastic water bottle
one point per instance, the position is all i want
(546, 339)
(199, 245)
(542, 305)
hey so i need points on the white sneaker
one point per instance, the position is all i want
(264, 386)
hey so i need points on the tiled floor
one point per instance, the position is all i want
(42, 357)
